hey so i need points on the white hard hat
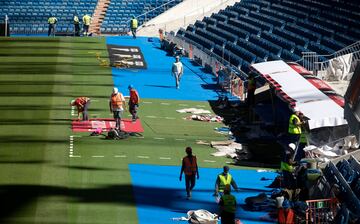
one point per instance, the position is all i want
(115, 90)
(296, 109)
(292, 146)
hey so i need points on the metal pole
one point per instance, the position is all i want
(6, 25)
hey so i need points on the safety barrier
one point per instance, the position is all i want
(321, 210)
(316, 63)
(230, 78)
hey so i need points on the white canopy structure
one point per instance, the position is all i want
(298, 91)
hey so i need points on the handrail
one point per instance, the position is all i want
(188, 14)
(151, 10)
(316, 65)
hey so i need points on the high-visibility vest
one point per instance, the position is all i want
(134, 97)
(76, 20)
(224, 181)
(251, 84)
(293, 128)
(229, 203)
(116, 100)
(286, 216)
(87, 20)
(134, 23)
(190, 166)
(52, 20)
(284, 166)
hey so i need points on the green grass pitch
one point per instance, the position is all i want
(39, 182)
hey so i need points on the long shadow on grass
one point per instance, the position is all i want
(16, 197)
(27, 139)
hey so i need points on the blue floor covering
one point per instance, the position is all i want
(160, 196)
(156, 81)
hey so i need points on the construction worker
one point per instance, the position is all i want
(295, 123)
(76, 22)
(52, 25)
(227, 205)
(190, 168)
(86, 21)
(82, 104)
(286, 166)
(117, 106)
(285, 214)
(133, 26)
(177, 71)
(224, 179)
(134, 101)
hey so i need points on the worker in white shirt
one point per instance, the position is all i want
(177, 71)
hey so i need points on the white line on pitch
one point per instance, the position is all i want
(120, 156)
(179, 139)
(183, 105)
(92, 100)
(209, 161)
(146, 102)
(164, 158)
(228, 162)
(165, 103)
(98, 156)
(200, 105)
(74, 156)
(170, 118)
(143, 157)
(159, 138)
(151, 116)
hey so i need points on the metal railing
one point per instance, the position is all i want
(312, 62)
(216, 64)
(151, 10)
(196, 13)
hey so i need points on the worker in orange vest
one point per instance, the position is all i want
(285, 214)
(117, 106)
(82, 105)
(133, 102)
(190, 168)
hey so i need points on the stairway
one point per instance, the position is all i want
(98, 16)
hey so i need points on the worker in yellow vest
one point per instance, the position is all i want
(295, 124)
(190, 169)
(76, 22)
(117, 106)
(86, 21)
(286, 167)
(224, 179)
(133, 26)
(227, 205)
(52, 25)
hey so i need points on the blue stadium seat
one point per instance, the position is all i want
(291, 36)
(235, 30)
(229, 36)
(278, 40)
(210, 36)
(269, 46)
(247, 27)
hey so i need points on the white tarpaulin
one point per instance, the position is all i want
(319, 108)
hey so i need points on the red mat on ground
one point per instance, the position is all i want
(106, 124)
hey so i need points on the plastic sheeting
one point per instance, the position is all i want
(321, 110)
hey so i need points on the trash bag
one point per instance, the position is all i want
(202, 216)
